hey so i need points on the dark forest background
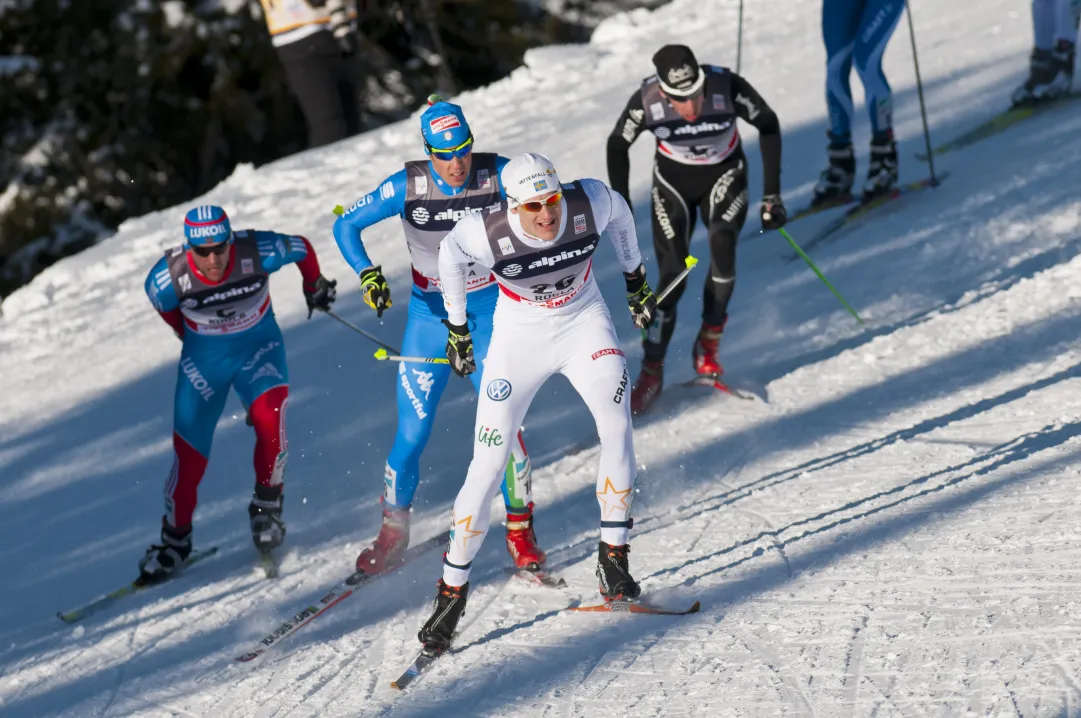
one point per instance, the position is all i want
(114, 108)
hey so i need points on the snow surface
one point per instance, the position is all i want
(895, 533)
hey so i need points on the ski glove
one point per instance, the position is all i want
(774, 215)
(322, 296)
(376, 292)
(640, 297)
(460, 349)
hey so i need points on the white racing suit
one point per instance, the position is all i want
(550, 318)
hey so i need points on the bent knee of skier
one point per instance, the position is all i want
(267, 413)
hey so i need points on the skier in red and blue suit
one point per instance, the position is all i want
(214, 292)
(430, 196)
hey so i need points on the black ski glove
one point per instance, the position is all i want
(322, 296)
(640, 297)
(774, 215)
(460, 349)
(376, 291)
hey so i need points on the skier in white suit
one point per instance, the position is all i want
(550, 318)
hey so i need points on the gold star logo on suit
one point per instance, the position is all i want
(612, 500)
(467, 531)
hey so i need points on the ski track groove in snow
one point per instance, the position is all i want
(789, 686)
(853, 667)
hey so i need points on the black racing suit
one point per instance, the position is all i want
(698, 166)
(329, 87)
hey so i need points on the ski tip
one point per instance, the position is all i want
(695, 607)
(67, 617)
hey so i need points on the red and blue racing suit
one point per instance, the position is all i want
(230, 338)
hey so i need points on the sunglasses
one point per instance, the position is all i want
(460, 151)
(207, 250)
(535, 206)
(684, 100)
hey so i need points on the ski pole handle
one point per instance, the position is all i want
(361, 332)
(690, 263)
(382, 355)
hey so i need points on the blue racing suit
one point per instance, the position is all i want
(858, 30)
(230, 338)
(420, 386)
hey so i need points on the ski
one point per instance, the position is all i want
(422, 661)
(134, 587)
(813, 209)
(626, 606)
(540, 577)
(999, 123)
(713, 381)
(332, 598)
(268, 563)
(863, 209)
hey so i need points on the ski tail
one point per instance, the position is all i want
(865, 209)
(77, 614)
(347, 588)
(626, 606)
(999, 123)
(540, 577)
(714, 382)
(419, 664)
(269, 563)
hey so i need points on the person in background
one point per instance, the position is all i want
(1054, 31)
(857, 31)
(316, 41)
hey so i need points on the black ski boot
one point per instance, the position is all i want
(1062, 61)
(614, 574)
(265, 511)
(163, 560)
(835, 183)
(438, 631)
(882, 173)
(1050, 75)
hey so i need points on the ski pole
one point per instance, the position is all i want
(800, 252)
(691, 262)
(739, 38)
(919, 92)
(361, 332)
(381, 355)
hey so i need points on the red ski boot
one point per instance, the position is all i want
(705, 351)
(647, 387)
(390, 544)
(522, 542)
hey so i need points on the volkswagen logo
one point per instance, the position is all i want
(498, 389)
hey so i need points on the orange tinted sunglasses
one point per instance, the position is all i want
(536, 205)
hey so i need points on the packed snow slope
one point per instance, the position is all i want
(895, 532)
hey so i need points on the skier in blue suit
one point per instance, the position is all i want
(214, 291)
(858, 31)
(430, 196)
